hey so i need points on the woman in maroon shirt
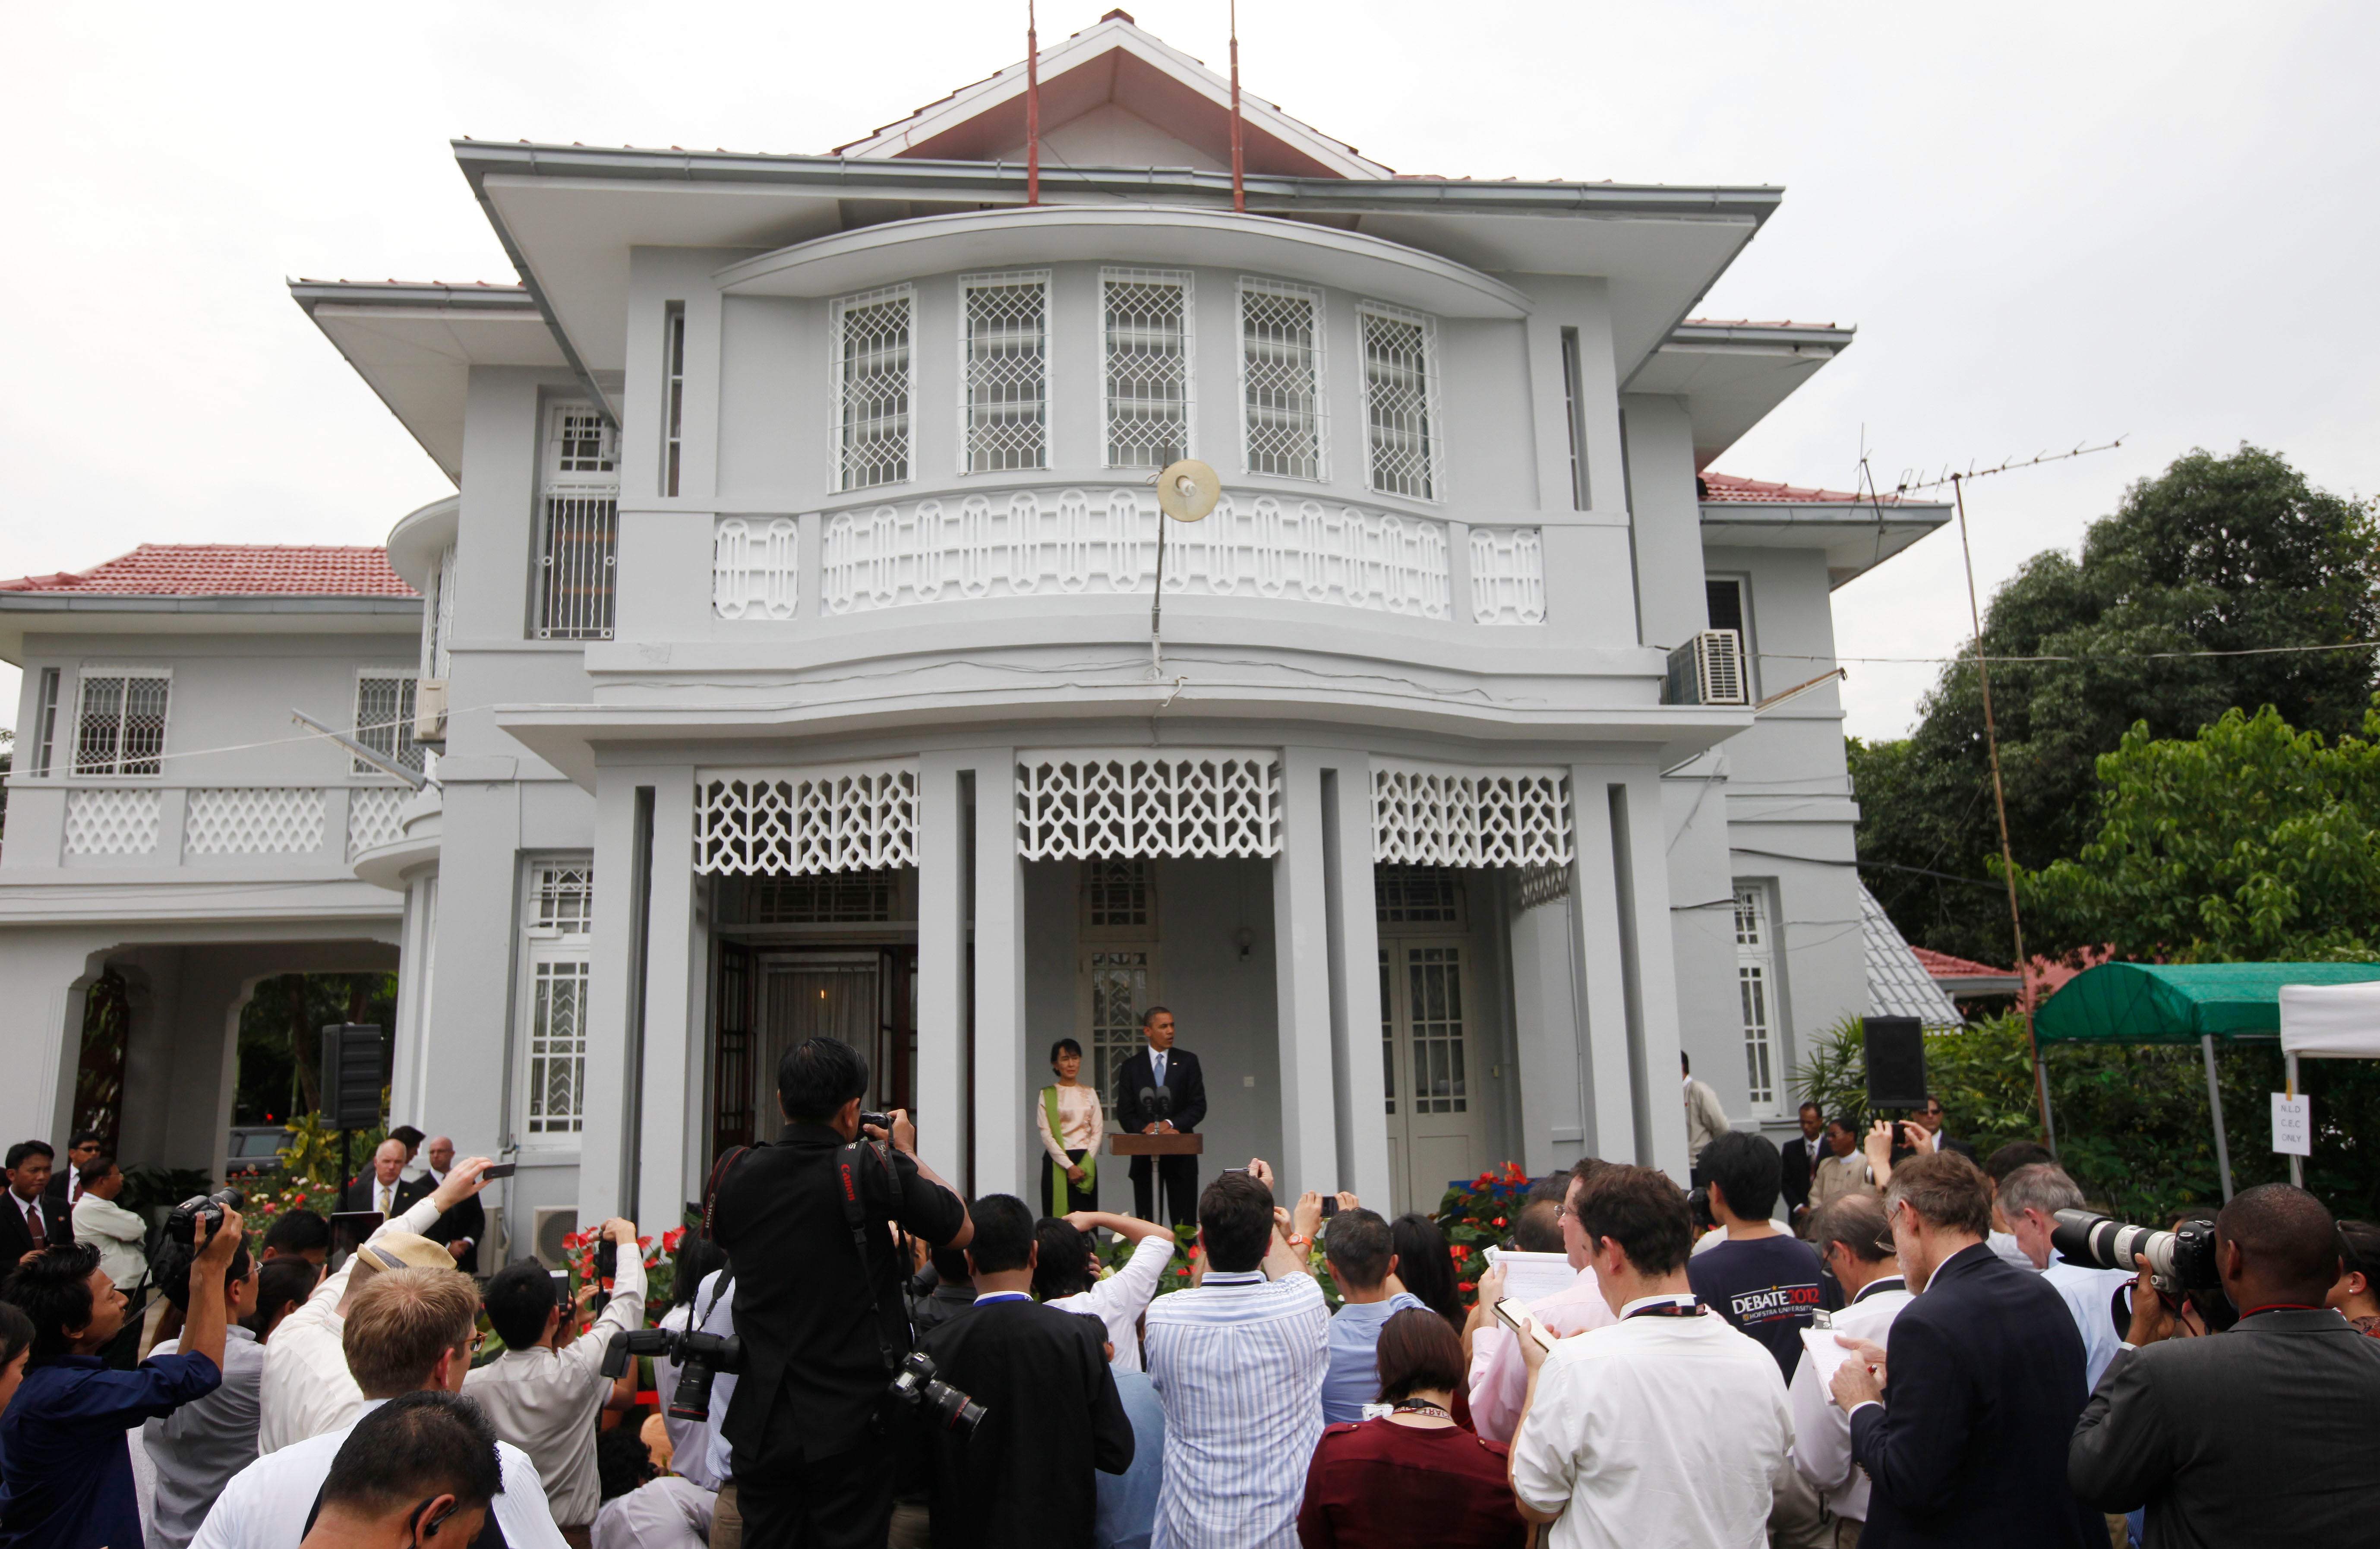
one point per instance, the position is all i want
(1414, 1476)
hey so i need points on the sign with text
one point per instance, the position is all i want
(2292, 1124)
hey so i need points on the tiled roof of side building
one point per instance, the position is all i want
(1941, 965)
(1726, 489)
(229, 570)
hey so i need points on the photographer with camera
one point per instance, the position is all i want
(195, 1450)
(2259, 1435)
(809, 1223)
(65, 1468)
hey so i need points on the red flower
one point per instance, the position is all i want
(1459, 1252)
(1499, 1221)
(1465, 1287)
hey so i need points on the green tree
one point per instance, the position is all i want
(2234, 554)
(280, 1034)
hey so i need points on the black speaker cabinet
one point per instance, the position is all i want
(1895, 1062)
(351, 1075)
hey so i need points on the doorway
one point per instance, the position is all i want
(1429, 1034)
(862, 995)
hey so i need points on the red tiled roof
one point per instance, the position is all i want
(1726, 489)
(1941, 965)
(229, 570)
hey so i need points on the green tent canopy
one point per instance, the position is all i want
(2181, 1003)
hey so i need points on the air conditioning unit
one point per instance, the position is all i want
(430, 713)
(553, 1224)
(1708, 669)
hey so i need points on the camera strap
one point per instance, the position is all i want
(719, 1171)
(851, 1185)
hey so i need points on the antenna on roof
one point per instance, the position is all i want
(1032, 109)
(1239, 184)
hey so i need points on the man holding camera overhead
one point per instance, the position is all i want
(808, 1223)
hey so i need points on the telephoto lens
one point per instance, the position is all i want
(916, 1385)
(2182, 1260)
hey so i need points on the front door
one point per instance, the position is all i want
(1437, 1124)
(822, 995)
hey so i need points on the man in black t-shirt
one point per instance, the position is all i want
(820, 1315)
(1761, 1280)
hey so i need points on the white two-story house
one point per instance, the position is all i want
(787, 666)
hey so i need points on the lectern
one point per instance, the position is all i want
(1157, 1145)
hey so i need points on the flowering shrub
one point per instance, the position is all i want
(1477, 1218)
(578, 1250)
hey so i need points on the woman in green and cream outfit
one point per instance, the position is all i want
(1071, 1126)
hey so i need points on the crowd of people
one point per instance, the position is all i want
(1830, 1343)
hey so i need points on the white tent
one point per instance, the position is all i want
(2331, 1022)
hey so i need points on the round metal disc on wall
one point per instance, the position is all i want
(1188, 490)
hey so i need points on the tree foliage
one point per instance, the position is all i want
(2236, 553)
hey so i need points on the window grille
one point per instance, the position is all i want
(46, 721)
(1400, 402)
(1120, 992)
(1281, 377)
(1416, 896)
(828, 898)
(563, 895)
(1571, 420)
(1146, 331)
(1006, 367)
(384, 720)
(1434, 986)
(871, 387)
(1755, 972)
(557, 1047)
(581, 536)
(121, 726)
(672, 394)
(1116, 895)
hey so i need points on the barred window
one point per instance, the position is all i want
(1755, 976)
(1119, 987)
(579, 536)
(120, 726)
(1145, 323)
(1006, 371)
(871, 364)
(1117, 895)
(824, 898)
(1280, 378)
(384, 720)
(562, 896)
(1400, 402)
(1416, 895)
(556, 1088)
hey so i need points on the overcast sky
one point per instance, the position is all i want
(2051, 224)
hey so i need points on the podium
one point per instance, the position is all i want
(1157, 1145)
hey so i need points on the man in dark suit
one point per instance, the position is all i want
(461, 1228)
(1968, 1444)
(382, 1188)
(2205, 1431)
(1176, 1103)
(30, 1220)
(82, 1150)
(1025, 1479)
(1931, 1117)
(1799, 1162)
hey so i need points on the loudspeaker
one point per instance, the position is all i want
(1895, 1056)
(350, 1076)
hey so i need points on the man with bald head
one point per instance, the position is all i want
(2260, 1435)
(383, 1187)
(460, 1228)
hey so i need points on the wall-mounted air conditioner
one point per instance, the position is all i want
(1708, 669)
(430, 713)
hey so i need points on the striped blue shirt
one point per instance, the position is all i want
(1237, 1362)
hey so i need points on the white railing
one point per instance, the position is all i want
(253, 819)
(174, 824)
(112, 822)
(756, 567)
(375, 817)
(1508, 574)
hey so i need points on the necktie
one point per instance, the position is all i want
(1157, 1064)
(33, 1225)
(384, 1199)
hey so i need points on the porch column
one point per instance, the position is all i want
(1002, 1094)
(675, 1013)
(1662, 1135)
(1600, 998)
(1363, 1127)
(606, 1155)
(942, 966)
(1302, 953)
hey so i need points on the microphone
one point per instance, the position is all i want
(1148, 1097)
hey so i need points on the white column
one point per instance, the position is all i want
(941, 965)
(603, 1144)
(675, 968)
(1601, 1004)
(1002, 1093)
(1310, 1139)
(1662, 1143)
(1355, 970)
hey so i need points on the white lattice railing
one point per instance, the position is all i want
(112, 822)
(1187, 802)
(849, 818)
(756, 567)
(374, 818)
(1508, 574)
(1031, 542)
(1434, 815)
(253, 819)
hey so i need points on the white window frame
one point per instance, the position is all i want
(672, 394)
(1253, 284)
(839, 478)
(1757, 960)
(1185, 281)
(546, 948)
(164, 726)
(1748, 651)
(557, 483)
(45, 720)
(1018, 279)
(400, 741)
(1433, 402)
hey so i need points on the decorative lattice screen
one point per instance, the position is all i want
(1028, 542)
(849, 819)
(253, 819)
(1508, 574)
(112, 822)
(373, 818)
(871, 387)
(1146, 333)
(1078, 805)
(1431, 815)
(1539, 886)
(1400, 395)
(1280, 374)
(1006, 371)
(756, 567)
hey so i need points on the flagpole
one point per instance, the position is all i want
(1032, 108)
(1239, 184)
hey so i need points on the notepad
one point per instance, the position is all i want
(1528, 1276)
(1825, 1354)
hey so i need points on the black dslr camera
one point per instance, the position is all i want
(915, 1386)
(2180, 1260)
(881, 1121)
(182, 1225)
(700, 1357)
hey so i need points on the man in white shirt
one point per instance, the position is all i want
(1500, 1377)
(1668, 1428)
(308, 1389)
(194, 1452)
(421, 1471)
(542, 1395)
(2026, 1206)
(1120, 1299)
(409, 1330)
(117, 1233)
(1855, 1244)
(1706, 1117)
(1237, 1362)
